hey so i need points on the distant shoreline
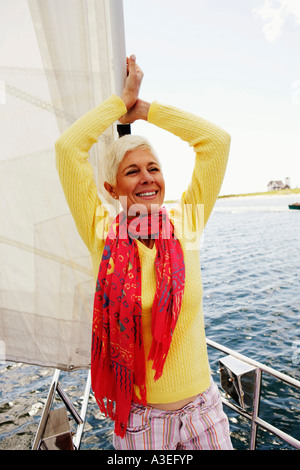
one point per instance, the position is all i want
(277, 192)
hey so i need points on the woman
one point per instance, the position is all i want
(150, 370)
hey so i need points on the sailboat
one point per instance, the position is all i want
(72, 56)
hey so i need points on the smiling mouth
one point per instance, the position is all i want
(147, 194)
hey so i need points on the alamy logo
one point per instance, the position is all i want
(190, 224)
(296, 352)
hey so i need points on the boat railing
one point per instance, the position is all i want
(253, 415)
(246, 367)
(59, 436)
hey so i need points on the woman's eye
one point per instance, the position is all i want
(136, 170)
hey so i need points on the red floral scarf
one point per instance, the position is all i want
(118, 359)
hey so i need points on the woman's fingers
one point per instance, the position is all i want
(132, 64)
(133, 82)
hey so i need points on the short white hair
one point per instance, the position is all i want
(117, 151)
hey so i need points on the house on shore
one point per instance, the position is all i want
(275, 185)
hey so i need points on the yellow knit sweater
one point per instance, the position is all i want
(186, 371)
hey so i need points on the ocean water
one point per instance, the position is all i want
(251, 279)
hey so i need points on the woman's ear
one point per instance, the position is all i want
(110, 189)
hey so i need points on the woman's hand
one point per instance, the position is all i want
(138, 111)
(133, 82)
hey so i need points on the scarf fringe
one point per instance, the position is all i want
(109, 408)
(158, 354)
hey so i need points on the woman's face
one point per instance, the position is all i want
(140, 182)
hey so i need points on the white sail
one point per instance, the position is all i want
(46, 282)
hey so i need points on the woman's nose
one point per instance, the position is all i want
(147, 177)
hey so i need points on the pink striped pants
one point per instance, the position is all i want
(200, 425)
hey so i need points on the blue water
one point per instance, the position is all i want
(251, 279)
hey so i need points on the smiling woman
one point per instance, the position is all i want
(134, 175)
(140, 180)
(149, 363)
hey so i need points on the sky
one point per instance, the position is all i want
(235, 63)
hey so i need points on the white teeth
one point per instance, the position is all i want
(147, 194)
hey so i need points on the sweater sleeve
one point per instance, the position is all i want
(74, 169)
(211, 146)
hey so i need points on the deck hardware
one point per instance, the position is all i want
(238, 380)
